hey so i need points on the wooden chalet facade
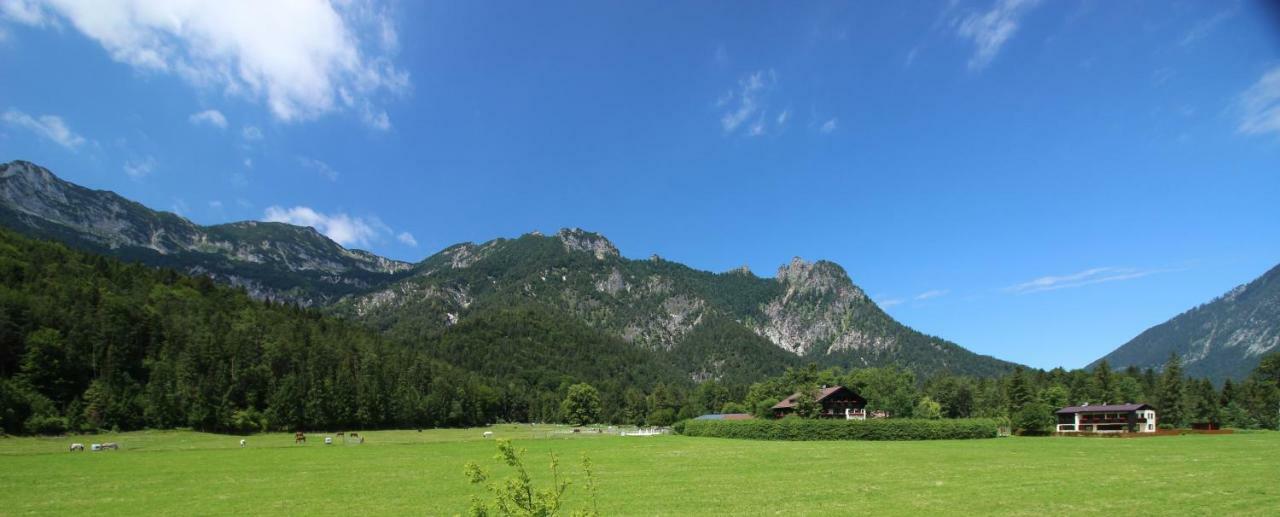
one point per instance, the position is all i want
(836, 402)
(1114, 418)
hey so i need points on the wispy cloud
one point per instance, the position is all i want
(889, 302)
(1096, 275)
(209, 117)
(1208, 25)
(935, 293)
(302, 59)
(990, 30)
(320, 167)
(746, 103)
(829, 126)
(140, 168)
(407, 239)
(342, 228)
(1260, 105)
(51, 127)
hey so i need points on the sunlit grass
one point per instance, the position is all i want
(400, 472)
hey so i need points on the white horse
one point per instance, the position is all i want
(242, 442)
(488, 434)
(77, 447)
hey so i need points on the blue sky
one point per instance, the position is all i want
(1039, 181)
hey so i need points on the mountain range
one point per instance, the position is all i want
(730, 325)
(1222, 339)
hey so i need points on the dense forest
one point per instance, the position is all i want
(90, 343)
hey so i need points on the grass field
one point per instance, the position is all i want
(183, 473)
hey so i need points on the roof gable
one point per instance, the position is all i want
(1103, 408)
(823, 394)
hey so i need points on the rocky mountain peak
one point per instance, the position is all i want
(577, 239)
(819, 277)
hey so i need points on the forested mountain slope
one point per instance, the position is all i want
(270, 260)
(1222, 339)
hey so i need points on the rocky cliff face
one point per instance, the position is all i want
(817, 311)
(271, 260)
(1222, 339)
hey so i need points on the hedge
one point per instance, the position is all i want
(805, 429)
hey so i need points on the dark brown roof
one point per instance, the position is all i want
(1114, 408)
(790, 402)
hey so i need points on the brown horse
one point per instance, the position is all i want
(298, 438)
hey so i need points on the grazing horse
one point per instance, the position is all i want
(111, 445)
(77, 447)
(298, 438)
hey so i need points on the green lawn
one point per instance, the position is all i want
(179, 473)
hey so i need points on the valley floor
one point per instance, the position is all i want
(409, 472)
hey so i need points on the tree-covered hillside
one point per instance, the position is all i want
(1222, 339)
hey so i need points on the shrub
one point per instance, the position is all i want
(46, 425)
(806, 429)
(517, 495)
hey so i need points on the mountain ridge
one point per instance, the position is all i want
(1223, 338)
(812, 311)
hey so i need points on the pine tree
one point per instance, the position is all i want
(1171, 399)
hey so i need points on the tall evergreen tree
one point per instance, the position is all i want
(1171, 400)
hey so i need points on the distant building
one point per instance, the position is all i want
(1114, 418)
(836, 402)
(725, 416)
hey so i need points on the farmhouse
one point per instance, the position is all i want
(836, 402)
(1115, 418)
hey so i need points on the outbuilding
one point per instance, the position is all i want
(1107, 418)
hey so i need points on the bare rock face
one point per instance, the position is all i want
(612, 284)
(576, 239)
(816, 311)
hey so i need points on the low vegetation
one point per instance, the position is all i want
(417, 473)
(810, 429)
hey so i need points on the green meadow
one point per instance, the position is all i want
(410, 472)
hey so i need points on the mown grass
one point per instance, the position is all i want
(421, 473)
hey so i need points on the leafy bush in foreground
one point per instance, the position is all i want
(805, 429)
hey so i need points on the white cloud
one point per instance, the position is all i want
(138, 169)
(342, 228)
(248, 163)
(407, 239)
(23, 11)
(1096, 275)
(303, 59)
(1260, 105)
(890, 302)
(215, 204)
(746, 103)
(251, 133)
(47, 126)
(320, 167)
(935, 293)
(990, 30)
(829, 126)
(211, 117)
